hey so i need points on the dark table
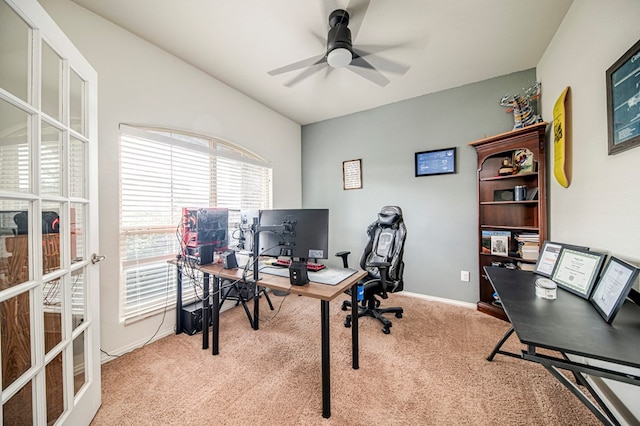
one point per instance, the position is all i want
(569, 325)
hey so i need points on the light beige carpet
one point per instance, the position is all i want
(431, 370)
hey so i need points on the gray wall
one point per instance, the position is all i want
(440, 211)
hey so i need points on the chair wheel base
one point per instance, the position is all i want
(347, 321)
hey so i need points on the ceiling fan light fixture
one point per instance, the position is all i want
(339, 57)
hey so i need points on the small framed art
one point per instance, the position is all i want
(577, 270)
(352, 174)
(613, 287)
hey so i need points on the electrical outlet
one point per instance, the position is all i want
(464, 276)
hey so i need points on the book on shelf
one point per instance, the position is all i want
(486, 239)
(529, 251)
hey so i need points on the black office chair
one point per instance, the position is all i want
(382, 259)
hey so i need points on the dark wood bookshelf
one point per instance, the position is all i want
(517, 217)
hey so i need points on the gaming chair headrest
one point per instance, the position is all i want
(389, 215)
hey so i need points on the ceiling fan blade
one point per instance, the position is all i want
(357, 10)
(305, 74)
(364, 69)
(314, 60)
(378, 62)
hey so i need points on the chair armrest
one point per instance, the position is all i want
(344, 255)
(382, 266)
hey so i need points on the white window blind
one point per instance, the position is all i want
(162, 171)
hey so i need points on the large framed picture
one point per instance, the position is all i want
(613, 287)
(549, 255)
(577, 270)
(623, 102)
(435, 162)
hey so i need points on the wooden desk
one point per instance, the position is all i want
(323, 292)
(569, 325)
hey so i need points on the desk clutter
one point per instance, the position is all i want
(329, 276)
(605, 281)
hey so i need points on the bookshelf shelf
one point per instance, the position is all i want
(500, 217)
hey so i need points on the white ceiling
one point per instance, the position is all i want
(446, 43)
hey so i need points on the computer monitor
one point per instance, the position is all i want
(305, 234)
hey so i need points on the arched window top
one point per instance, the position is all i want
(204, 143)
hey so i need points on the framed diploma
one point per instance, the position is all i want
(352, 174)
(623, 102)
(577, 270)
(613, 287)
(549, 255)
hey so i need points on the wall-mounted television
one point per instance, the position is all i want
(436, 162)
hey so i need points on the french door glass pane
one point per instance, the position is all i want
(77, 232)
(78, 297)
(15, 159)
(52, 304)
(51, 78)
(76, 103)
(19, 409)
(14, 243)
(50, 160)
(15, 338)
(14, 51)
(55, 394)
(79, 363)
(77, 176)
(51, 236)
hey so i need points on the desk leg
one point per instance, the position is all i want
(354, 327)
(497, 350)
(215, 330)
(179, 298)
(326, 368)
(606, 420)
(256, 307)
(205, 311)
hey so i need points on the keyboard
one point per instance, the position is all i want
(311, 266)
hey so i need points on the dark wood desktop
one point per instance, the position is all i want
(572, 326)
(323, 292)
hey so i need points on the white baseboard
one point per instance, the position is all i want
(441, 299)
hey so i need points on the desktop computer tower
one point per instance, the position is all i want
(191, 318)
(205, 226)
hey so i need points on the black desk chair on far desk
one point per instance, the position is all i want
(569, 325)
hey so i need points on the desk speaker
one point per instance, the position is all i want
(229, 260)
(298, 273)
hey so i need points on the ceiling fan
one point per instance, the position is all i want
(340, 52)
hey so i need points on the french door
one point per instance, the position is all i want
(49, 288)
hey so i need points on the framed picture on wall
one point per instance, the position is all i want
(352, 174)
(623, 102)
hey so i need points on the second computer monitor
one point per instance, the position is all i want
(304, 233)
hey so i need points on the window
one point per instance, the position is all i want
(162, 171)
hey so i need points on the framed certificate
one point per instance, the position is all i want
(613, 287)
(577, 270)
(549, 255)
